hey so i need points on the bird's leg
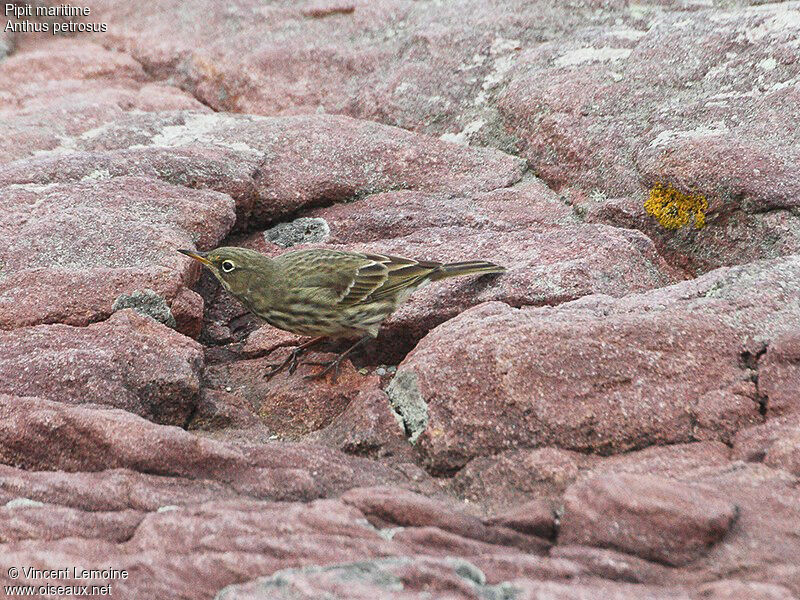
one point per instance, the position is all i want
(291, 360)
(335, 364)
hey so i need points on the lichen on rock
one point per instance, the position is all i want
(147, 303)
(675, 209)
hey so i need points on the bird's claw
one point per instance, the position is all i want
(331, 365)
(290, 364)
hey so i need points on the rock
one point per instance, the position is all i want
(305, 230)
(608, 564)
(527, 205)
(676, 461)
(600, 589)
(774, 443)
(272, 167)
(535, 517)
(397, 578)
(651, 517)
(111, 490)
(221, 410)
(386, 507)
(432, 541)
(779, 375)
(127, 361)
(500, 568)
(128, 442)
(187, 310)
(609, 113)
(598, 374)
(73, 249)
(435, 69)
(287, 409)
(147, 303)
(762, 536)
(512, 478)
(730, 589)
(49, 522)
(61, 88)
(366, 427)
(266, 339)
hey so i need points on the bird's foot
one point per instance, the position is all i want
(335, 365)
(291, 360)
(290, 363)
(330, 365)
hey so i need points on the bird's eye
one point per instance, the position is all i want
(227, 266)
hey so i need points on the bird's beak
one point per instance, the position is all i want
(201, 256)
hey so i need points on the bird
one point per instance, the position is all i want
(326, 293)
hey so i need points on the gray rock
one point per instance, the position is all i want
(408, 404)
(147, 303)
(304, 230)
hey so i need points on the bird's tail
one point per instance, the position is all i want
(468, 267)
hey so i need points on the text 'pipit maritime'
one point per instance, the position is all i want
(326, 293)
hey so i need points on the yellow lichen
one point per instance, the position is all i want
(674, 209)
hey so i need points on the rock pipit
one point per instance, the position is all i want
(326, 293)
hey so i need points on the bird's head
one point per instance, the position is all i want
(234, 267)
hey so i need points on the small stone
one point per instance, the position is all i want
(147, 303)
(305, 230)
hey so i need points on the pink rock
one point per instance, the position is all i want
(287, 404)
(61, 88)
(597, 374)
(511, 478)
(273, 166)
(598, 589)
(259, 470)
(395, 578)
(221, 410)
(774, 443)
(779, 375)
(49, 522)
(500, 568)
(396, 507)
(266, 339)
(650, 517)
(732, 589)
(535, 517)
(57, 59)
(401, 213)
(432, 541)
(677, 461)
(366, 427)
(187, 310)
(54, 246)
(128, 361)
(610, 114)
(109, 490)
(609, 564)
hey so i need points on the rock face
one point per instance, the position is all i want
(616, 416)
(128, 362)
(598, 374)
(650, 517)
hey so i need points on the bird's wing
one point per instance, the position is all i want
(333, 276)
(349, 278)
(401, 273)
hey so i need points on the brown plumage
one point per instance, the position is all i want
(326, 293)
